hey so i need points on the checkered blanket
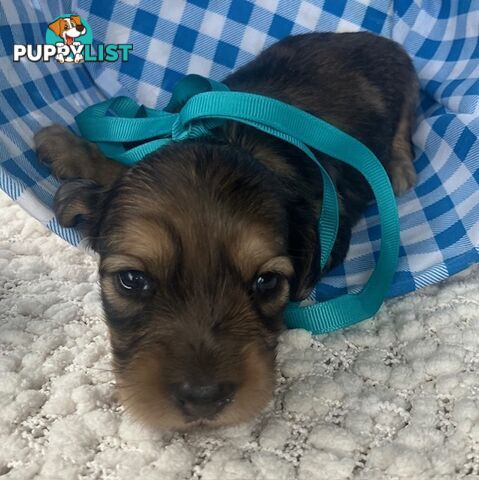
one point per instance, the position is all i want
(439, 219)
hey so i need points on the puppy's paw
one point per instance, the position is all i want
(403, 177)
(61, 150)
(71, 157)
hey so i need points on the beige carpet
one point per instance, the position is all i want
(395, 397)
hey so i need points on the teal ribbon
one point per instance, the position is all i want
(199, 105)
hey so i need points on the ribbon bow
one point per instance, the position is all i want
(198, 106)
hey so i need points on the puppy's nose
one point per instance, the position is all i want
(202, 400)
(80, 28)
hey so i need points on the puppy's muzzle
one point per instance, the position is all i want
(202, 400)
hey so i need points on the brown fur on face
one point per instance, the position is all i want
(186, 227)
(206, 220)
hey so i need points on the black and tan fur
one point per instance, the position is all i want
(203, 219)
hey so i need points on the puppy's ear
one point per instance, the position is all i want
(304, 252)
(79, 203)
(57, 26)
(76, 19)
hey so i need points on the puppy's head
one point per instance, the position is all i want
(68, 28)
(196, 269)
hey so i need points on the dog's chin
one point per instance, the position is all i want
(163, 415)
(202, 425)
(180, 423)
(199, 424)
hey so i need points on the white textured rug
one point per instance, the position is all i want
(393, 398)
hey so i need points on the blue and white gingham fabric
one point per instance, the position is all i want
(439, 219)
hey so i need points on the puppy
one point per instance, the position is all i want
(204, 242)
(69, 29)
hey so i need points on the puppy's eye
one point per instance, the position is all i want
(134, 281)
(266, 283)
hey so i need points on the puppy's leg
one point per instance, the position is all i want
(71, 157)
(400, 168)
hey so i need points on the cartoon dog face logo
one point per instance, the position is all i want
(69, 29)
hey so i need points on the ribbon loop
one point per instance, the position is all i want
(178, 130)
